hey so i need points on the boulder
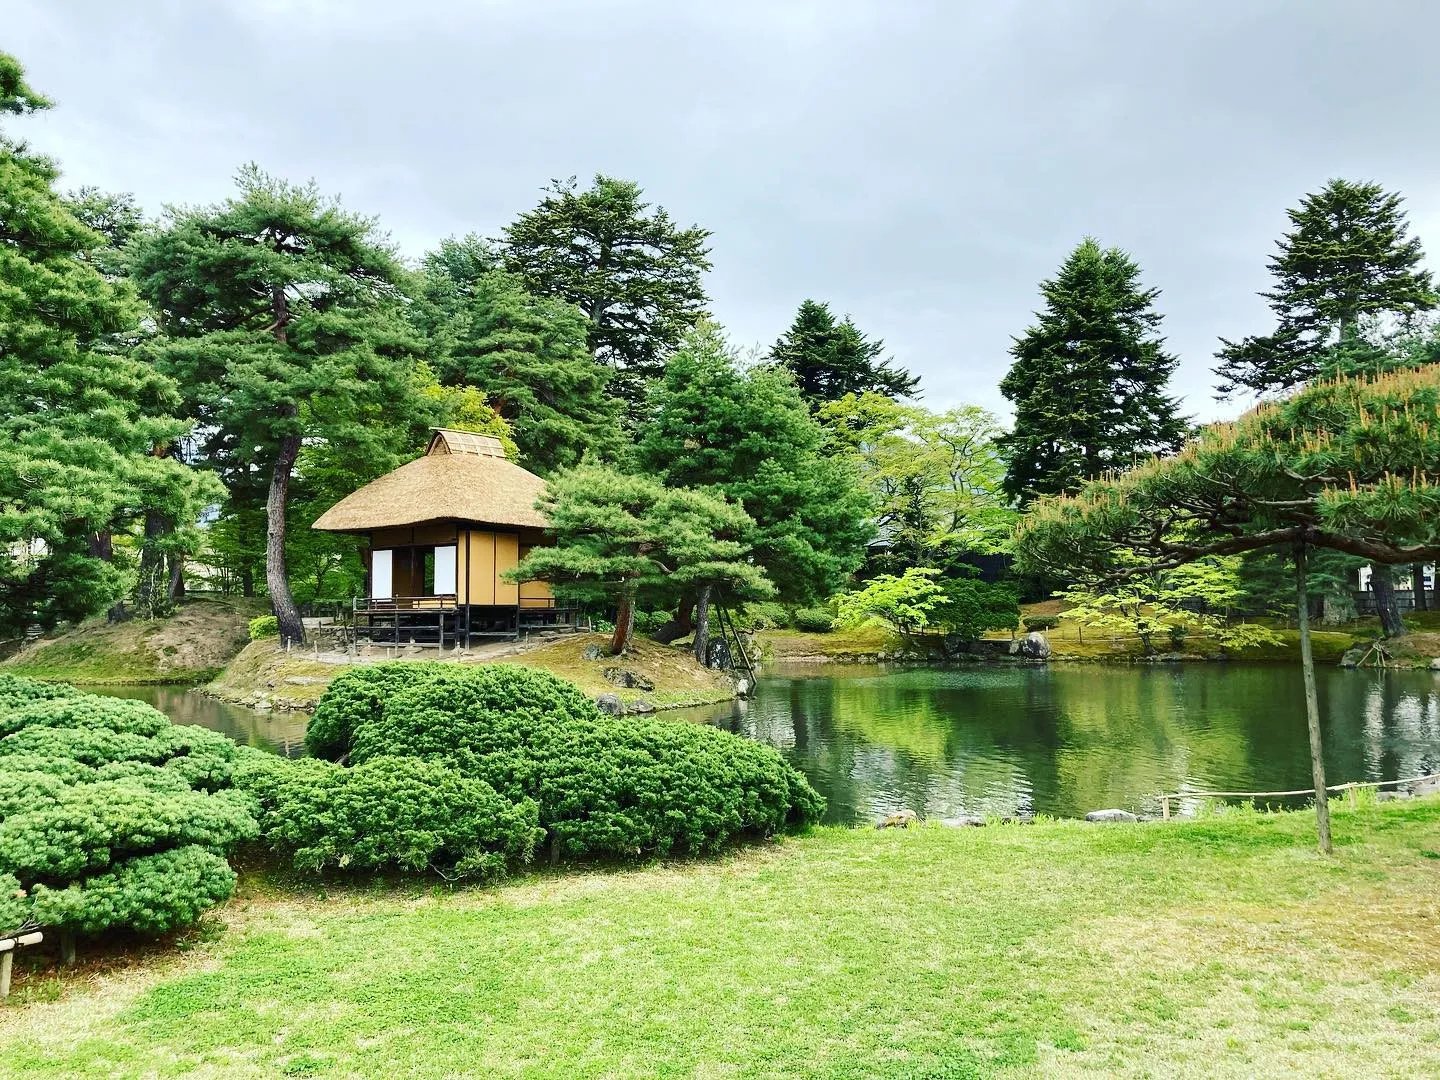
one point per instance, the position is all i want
(1353, 657)
(630, 680)
(641, 705)
(610, 704)
(590, 652)
(964, 821)
(1032, 646)
(901, 819)
(1110, 815)
(1435, 664)
(742, 687)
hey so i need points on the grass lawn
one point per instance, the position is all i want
(1226, 947)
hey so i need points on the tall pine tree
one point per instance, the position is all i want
(633, 272)
(80, 418)
(1347, 257)
(831, 358)
(1089, 378)
(282, 320)
(527, 354)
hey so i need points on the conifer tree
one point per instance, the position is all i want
(749, 434)
(831, 358)
(79, 416)
(1090, 377)
(281, 320)
(527, 354)
(1348, 256)
(631, 270)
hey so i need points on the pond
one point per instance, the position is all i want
(1058, 740)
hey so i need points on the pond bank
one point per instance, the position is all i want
(1222, 947)
(649, 678)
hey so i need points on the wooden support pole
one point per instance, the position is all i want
(7, 962)
(67, 947)
(1165, 807)
(1312, 701)
(1351, 793)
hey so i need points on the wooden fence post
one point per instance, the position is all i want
(1165, 807)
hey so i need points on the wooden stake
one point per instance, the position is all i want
(1165, 807)
(67, 947)
(1312, 702)
(7, 961)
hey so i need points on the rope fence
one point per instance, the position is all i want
(1349, 788)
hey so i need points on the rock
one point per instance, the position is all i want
(1110, 815)
(1390, 796)
(1032, 646)
(742, 687)
(590, 652)
(964, 821)
(630, 680)
(1425, 787)
(610, 704)
(901, 819)
(305, 680)
(641, 705)
(1353, 657)
(1435, 664)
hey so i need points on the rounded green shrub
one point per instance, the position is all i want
(817, 620)
(391, 813)
(1033, 623)
(356, 696)
(264, 626)
(764, 615)
(16, 690)
(110, 816)
(603, 785)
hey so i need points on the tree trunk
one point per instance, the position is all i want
(702, 627)
(1417, 584)
(624, 621)
(1381, 581)
(102, 547)
(247, 581)
(1312, 701)
(151, 585)
(176, 589)
(292, 629)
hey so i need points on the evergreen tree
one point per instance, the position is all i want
(80, 418)
(830, 358)
(749, 434)
(282, 321)
(527, 354)
(1089, 378)
(633, 273)
(1348, 256)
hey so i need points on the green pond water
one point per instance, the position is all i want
(1058, 740)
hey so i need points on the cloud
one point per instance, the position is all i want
(922, 165)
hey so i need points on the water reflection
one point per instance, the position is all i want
(1066, 739)
(279, 732)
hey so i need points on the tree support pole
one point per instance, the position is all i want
(1312, 701)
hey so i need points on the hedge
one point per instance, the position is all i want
(603, 785)
(110, 816)
(392, 813)
(354, 697)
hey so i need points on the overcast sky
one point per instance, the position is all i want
(921, 165)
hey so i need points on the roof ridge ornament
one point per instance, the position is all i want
(454, 441)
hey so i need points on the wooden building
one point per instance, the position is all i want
(442, 532)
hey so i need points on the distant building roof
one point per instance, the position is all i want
(462, 477)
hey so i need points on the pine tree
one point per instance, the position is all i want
(1089, 378)
(80, 418)
(749, 434)
(632, 272)
(831, 358)
(527, 354)
(1347, 257)
(282, 321)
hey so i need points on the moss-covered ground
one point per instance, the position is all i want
(1226, 947)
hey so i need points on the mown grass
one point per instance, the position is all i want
(1224, 947)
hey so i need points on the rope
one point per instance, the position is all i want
(1301, 791)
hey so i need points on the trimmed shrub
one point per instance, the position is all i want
(264, 626)
(391, 813)
(647, 622)
(763, 615)
(16, 690)
(1033, 623)
(603, 785)
(354, 697)
(816, 620)
(110, 816)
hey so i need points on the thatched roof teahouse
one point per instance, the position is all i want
(442, 531)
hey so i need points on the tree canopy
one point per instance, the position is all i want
(630, 269)
(1349, 256)
(831, 359)
(1090, 378)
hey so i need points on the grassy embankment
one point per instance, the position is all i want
(1070, 641)
(263, 674)
(190, 646)
(1223, 947)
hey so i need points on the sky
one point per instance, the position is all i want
(920, 165)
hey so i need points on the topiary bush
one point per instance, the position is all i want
(15, 690)
(110, 816)
(391, 813)
(763, 615)
(264, 626)
(813, 620)
(1033, 623)
(355, 697)
(603, 785)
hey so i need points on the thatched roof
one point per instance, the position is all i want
(463, 477)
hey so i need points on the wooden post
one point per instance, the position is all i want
(7, 961)
(1165, 807)
(1312, 702)
(67, 947)
(1351, 793)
